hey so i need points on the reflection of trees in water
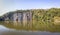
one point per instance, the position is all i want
(35, 27)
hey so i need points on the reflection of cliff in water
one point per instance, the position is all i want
(17, 26)
(39, 27)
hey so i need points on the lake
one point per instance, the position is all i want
(27, 29)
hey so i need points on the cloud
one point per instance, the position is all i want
(1, 7)
(1, 3)
(5, 6)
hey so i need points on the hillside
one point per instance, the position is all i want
(40, 15)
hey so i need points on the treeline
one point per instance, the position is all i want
(45, 15)
(40, 15)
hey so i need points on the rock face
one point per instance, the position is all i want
(21, 17)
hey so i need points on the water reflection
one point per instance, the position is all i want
(34, 27)
(27, 29)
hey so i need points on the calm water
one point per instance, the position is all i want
(27, 29)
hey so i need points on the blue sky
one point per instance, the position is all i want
(11, 5)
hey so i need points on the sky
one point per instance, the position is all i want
(12, 5)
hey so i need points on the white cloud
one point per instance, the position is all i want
(1, 7)
(4, 7)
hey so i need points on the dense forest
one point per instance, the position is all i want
(39, 15)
